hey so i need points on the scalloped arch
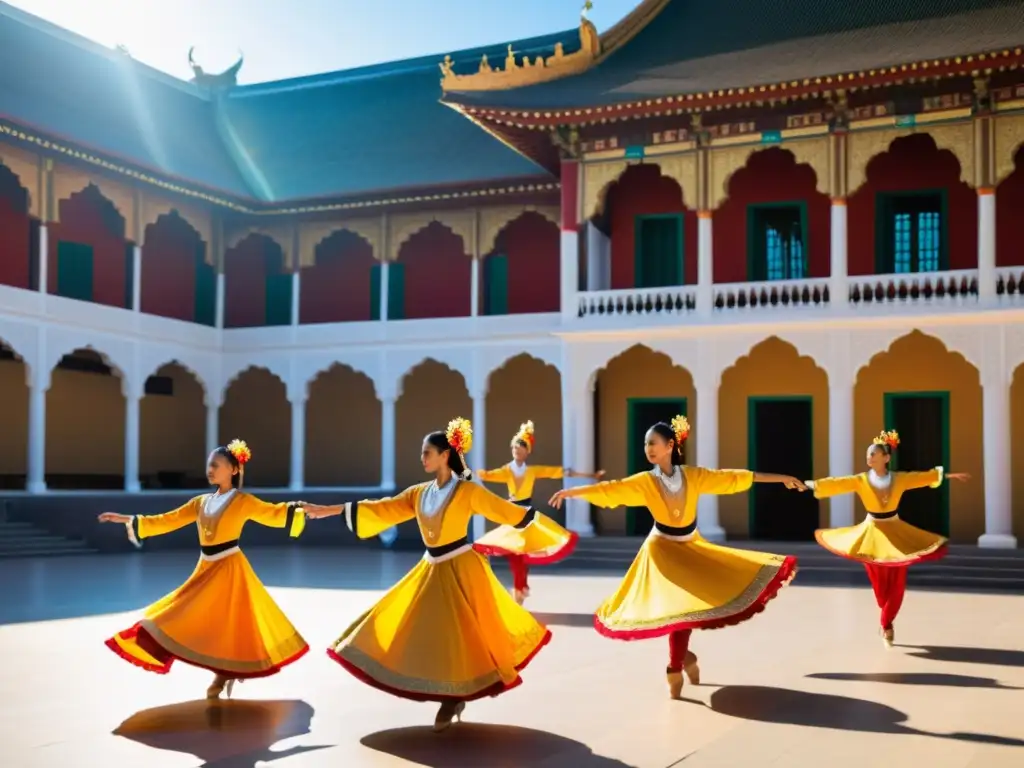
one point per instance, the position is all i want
(177, 362)
(865, 146)
(343, 365)
(439, 359)
(726, 162)
(547, 360)
(613, 352)
(463, 224)
(813, 347)
(494, 221)
(237, 373)
(25, 168)
(868, 350)
(107, 358)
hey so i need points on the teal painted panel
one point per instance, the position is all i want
(74, 271)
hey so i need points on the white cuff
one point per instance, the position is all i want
(942, 476)
(348, 515)
(809, 484)
(130, 528)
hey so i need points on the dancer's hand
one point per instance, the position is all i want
(963, 477)
(556, 500)
(599, 474)
(114, 517)
(793, 483)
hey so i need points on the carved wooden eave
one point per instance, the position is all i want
(976, 65)
(521, 71)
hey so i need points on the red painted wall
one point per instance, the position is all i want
(913, 163)
(770, 176)
(437, 274)
(337, 288)
(533, 247)
(169, 268)
(245, 280)
(1010, 217)
(15, 243)
(89, 218)
(643, 190)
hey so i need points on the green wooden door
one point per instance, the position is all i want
(74, 270)
(658, 251)
(205, 309)
(396, 291)
(278, 300)
(496, 280)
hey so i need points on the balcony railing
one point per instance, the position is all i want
(955, 287)
(776, 294)
(1010, 285)
(636, 302)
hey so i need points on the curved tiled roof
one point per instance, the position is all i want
(347, 133)
(696, 46)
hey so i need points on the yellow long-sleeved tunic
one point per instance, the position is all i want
(448, 629)
(222, 617)
(679, 580)
(543, 540)
(882, 538)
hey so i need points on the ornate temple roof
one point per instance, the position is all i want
(366, 130)
(674, 47)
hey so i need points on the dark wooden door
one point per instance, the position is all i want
(782, 441)
(922, 423)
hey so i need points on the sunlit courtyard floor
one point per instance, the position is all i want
(807, 683)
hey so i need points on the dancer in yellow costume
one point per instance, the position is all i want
(540, 542)
(680, 582)
(886, 545)
(221, 618)
(447, 632)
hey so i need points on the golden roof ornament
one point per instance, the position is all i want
(519, 71)
(215, 82)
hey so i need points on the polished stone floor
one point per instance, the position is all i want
(805, 684)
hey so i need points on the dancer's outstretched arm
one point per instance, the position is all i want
(289, 515)
(931, 478)
(628, 492)
(369, 518)
(144, 526)
(827, 487)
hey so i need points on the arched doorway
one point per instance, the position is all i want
(85, 423)
(435, 273)
(256, 409)
(16, 268)
(14, 396)
(932, 397)
(773, 411)
(343, 430)
(432, 395)
(178, 281)
(172, 429)
(633, 391)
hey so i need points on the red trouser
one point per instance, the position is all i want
(678, 645)
(520, 570)
(890, 584)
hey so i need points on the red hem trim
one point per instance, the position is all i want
(786, 573)
(164, 669)
(936, 554)
(493, 690)
(560, 554)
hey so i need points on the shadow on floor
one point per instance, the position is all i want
(565, 619)
(996, 657)
(223, 733)
(470, 745)
(823, 710)
(915, 678)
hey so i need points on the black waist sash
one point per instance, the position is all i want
(882, 515)
(531, 513)
(216, 549)
(447, 548)
(673, 530)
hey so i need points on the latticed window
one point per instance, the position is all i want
(911, 233)
(775, 247)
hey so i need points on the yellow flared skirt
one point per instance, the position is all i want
(542, 541)
(447, 630)
(675, 585)
(221, 619)
(883, 542)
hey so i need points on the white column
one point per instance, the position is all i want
(220, 300)
(387, 442)
(577, 515)
(384, 291)
(212, 424)
(137, 278)
(995, 405)
(838, 284)
(478, 457)
(36, 480)
(570, 270)
(296, 296)
(474, 288)
(298, 468)
(986, 244)
(44, 261)
(840, 449)
(705, 263)
(707, 456)
(131, 441)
